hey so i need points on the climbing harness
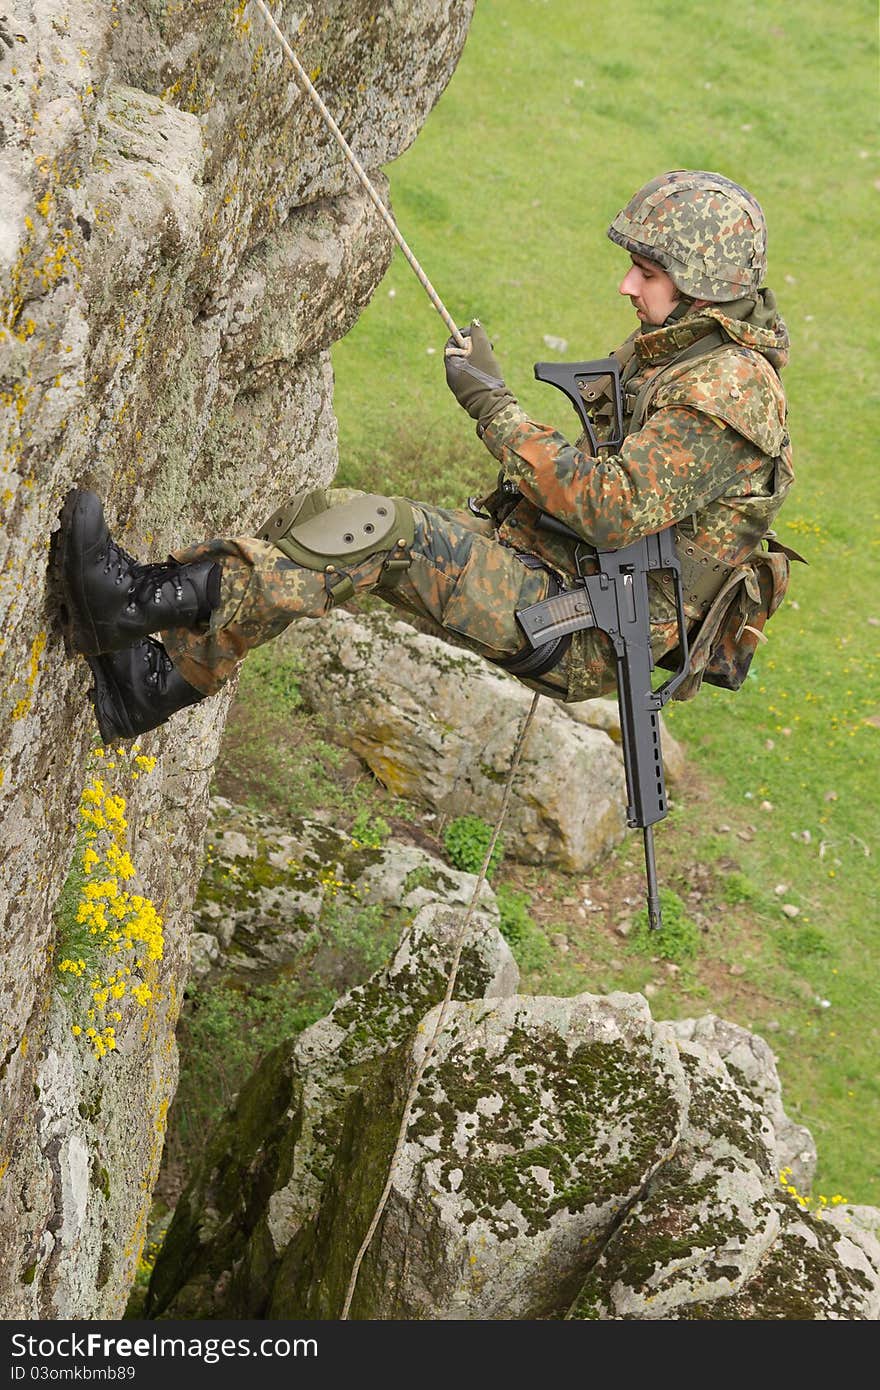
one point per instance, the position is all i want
(308, 87)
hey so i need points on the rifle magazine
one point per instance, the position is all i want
(554, 617)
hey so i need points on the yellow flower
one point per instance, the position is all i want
(94, 794)
(121, 921)
(106, 888)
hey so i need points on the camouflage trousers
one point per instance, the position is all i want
(462, 581)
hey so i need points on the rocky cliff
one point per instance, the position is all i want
(564, 1158)
(180, 243)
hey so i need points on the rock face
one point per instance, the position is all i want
(563, 1158)
(180, 244)
(436, 724)
(260, 1189)
(265, 889)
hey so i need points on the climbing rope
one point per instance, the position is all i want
(444, 1009)
(308, 87)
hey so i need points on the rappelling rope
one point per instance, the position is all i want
(458, 944)
(444, 1009)
(308, 87)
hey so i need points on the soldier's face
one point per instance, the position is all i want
(650, 290)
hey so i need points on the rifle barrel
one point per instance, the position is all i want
(655, 920)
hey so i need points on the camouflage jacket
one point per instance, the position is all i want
(706, 448)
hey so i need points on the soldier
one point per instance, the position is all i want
(706, 448)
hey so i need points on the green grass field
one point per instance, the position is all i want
(557, 112)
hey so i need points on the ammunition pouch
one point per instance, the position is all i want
(726, 639)
(329, 536)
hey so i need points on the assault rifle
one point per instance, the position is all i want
(614, 599)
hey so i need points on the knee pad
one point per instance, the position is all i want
(314, 533)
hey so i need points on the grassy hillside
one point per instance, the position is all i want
(558, 111)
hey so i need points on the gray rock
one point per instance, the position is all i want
(751, 1061)
(714, 1236)
(265, 888)
(266, 1166)
(180, 245)
(563, 1158)
(438, 725)
(539, 1121)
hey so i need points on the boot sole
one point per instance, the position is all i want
(77, 632)
(104, 691)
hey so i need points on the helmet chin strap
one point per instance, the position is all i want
(684, 306)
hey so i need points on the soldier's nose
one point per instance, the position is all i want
(629, 283)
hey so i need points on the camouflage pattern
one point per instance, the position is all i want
(707, 233)
(711, 454)
(728, 637)
(708, 445)
(460, 581)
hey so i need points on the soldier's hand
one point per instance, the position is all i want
(474, 376)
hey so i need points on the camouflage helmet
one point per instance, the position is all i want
(707, 233)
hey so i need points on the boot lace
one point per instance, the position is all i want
(149, 581)
(158, 662)
(115, 557)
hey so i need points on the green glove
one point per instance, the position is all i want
(474, 376)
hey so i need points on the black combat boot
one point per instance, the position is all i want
(110, 600)
(137, 689)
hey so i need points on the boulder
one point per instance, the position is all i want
(563, 1158)
(750, 1059)
(270, 894)
(714, 1235)
(437, 724)
(266, 1165)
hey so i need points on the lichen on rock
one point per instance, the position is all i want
(231, 1265)
(563, 1158)
(180, 244)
